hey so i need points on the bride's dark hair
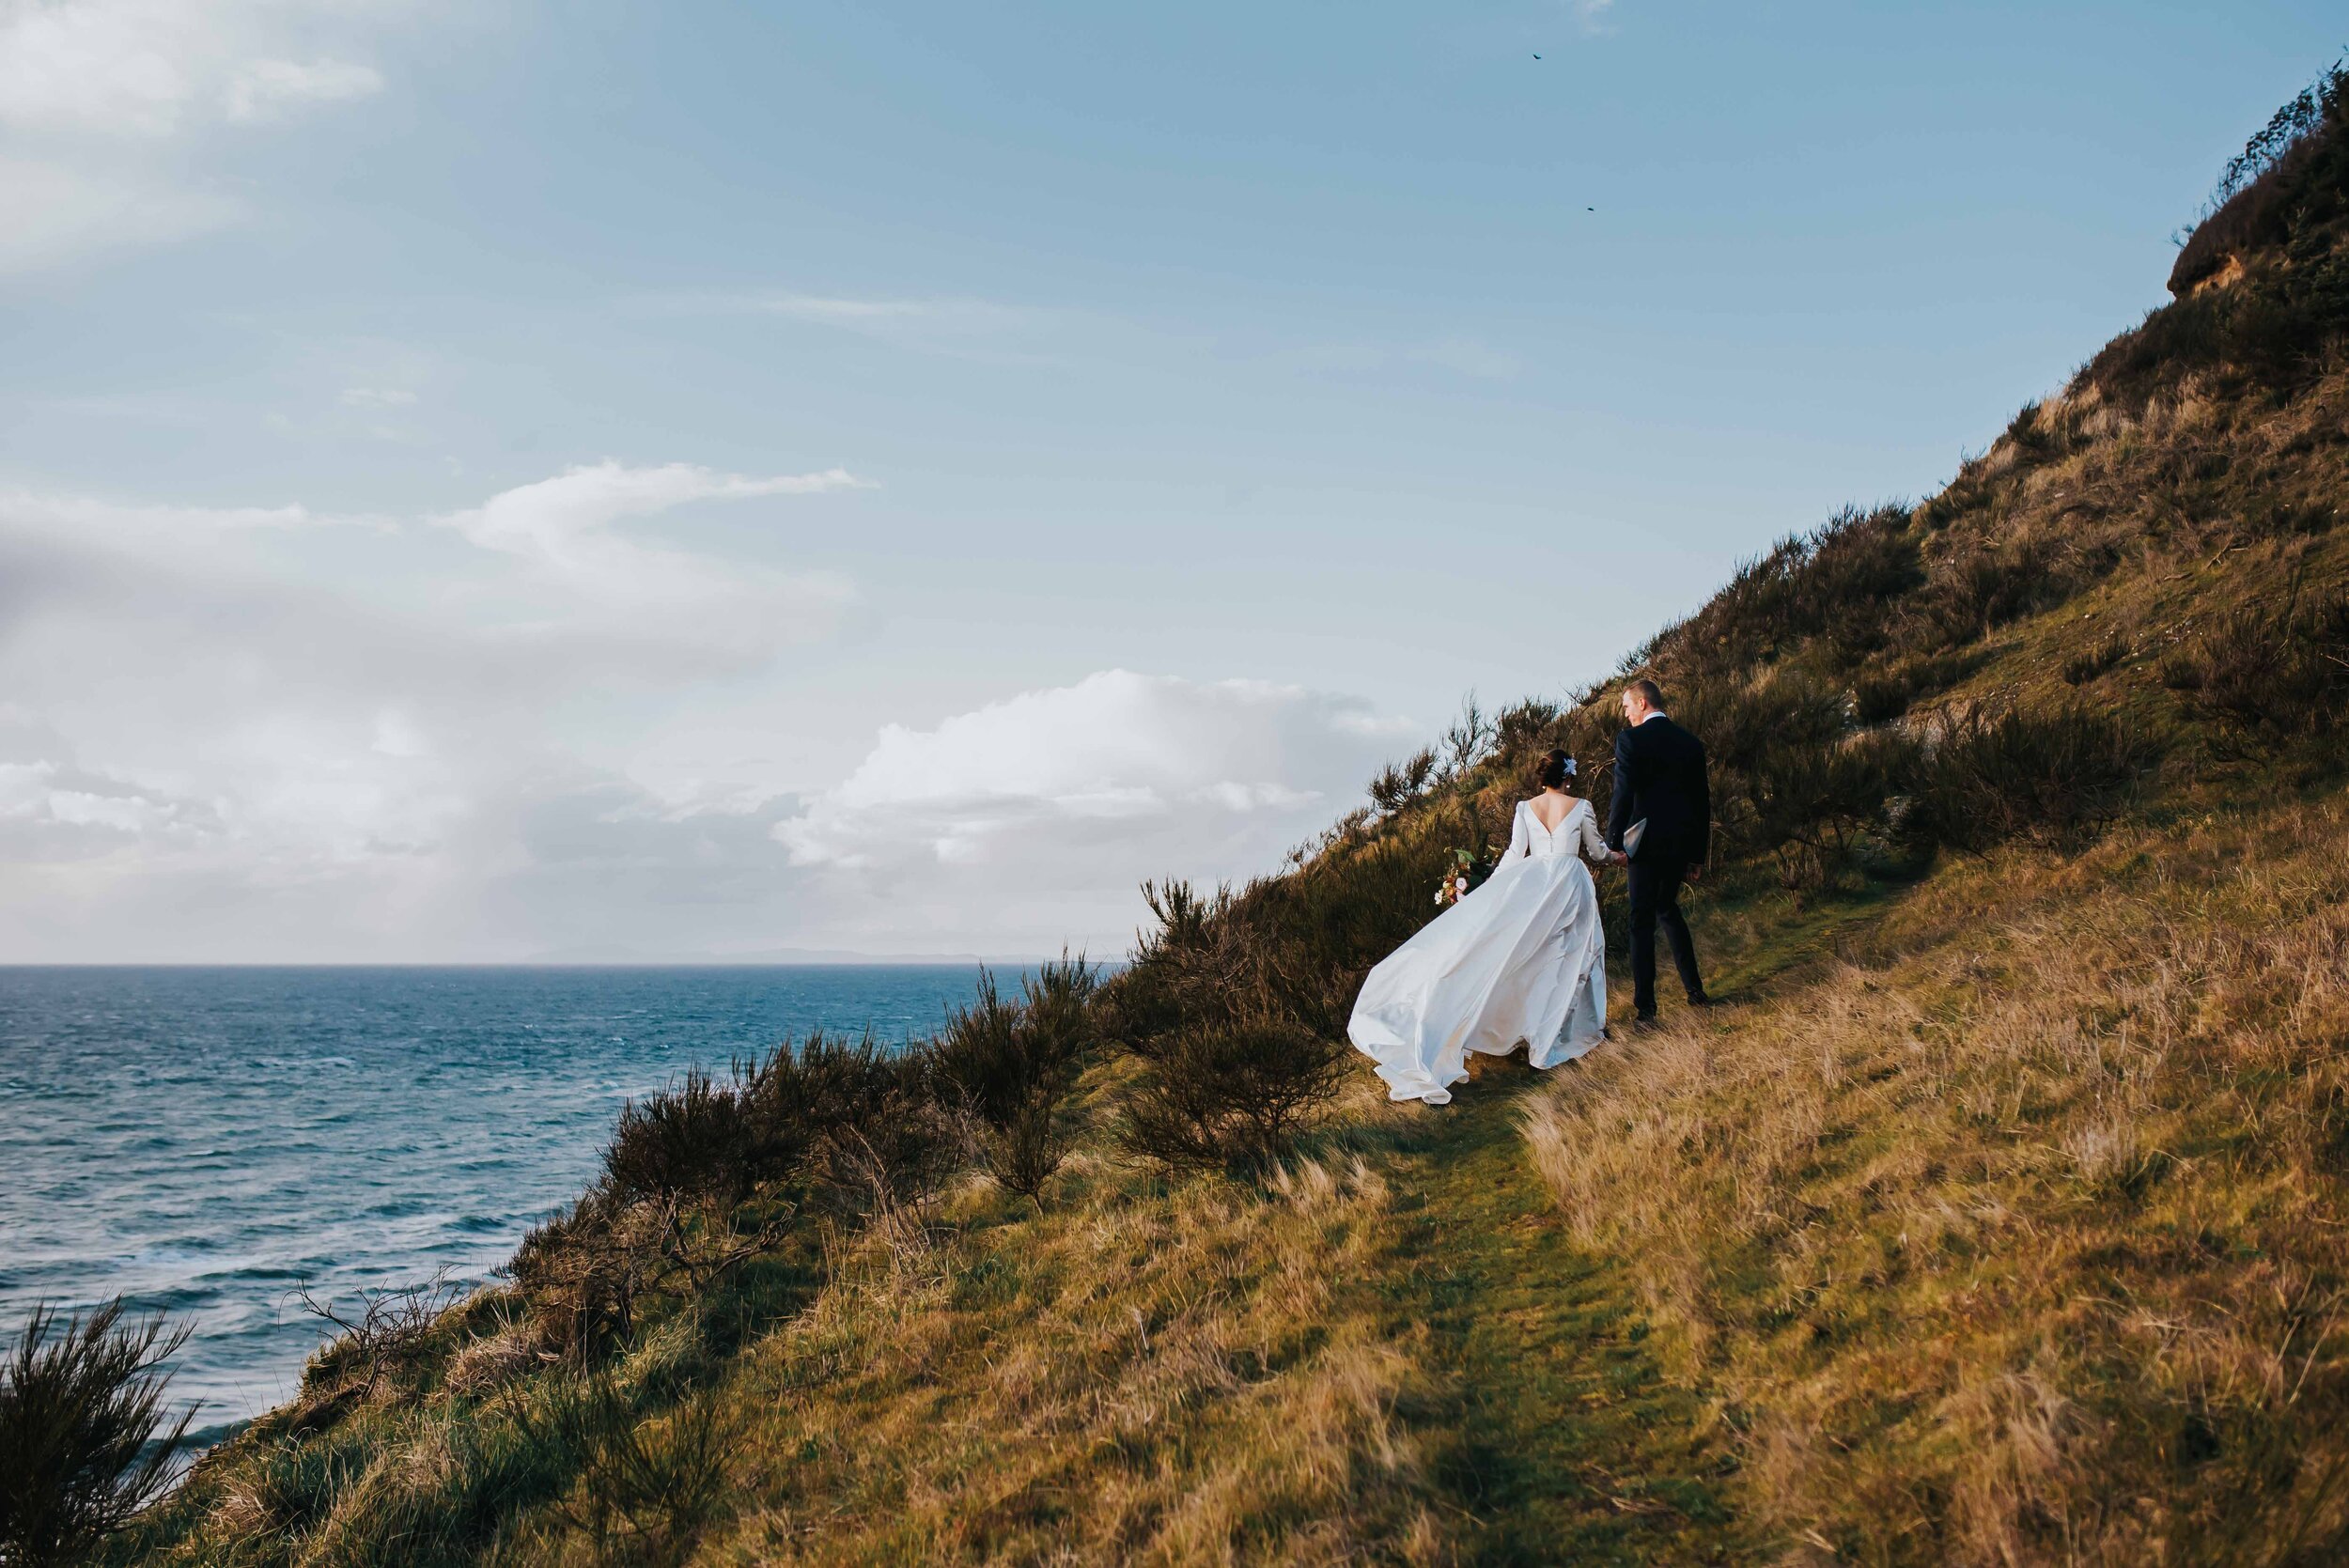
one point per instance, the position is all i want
(1553, 771)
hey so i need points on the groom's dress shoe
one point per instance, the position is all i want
(1645, 1023)
(1703, 1002)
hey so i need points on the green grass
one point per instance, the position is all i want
(1575, 1444)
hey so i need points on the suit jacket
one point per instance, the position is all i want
(1659, 776)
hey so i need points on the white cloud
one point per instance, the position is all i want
(1596, 16)
(377, 398)
(91, 518)
(553, 519)
(561, 533)
(1046, 810)
(273, 89)
(110, 98)
(275, 731)
(153, 69)
(33, 795)
(928, 315)
(58, 212)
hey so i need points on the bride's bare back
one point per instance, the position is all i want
(1558, 802)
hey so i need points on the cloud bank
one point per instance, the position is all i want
(105, 101)
(272, 732)
(1044, 812)
(281, 733)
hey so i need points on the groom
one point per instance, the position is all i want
(1659, 779)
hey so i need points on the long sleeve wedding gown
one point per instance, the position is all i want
(1521, 959)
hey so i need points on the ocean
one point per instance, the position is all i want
(202, 1141)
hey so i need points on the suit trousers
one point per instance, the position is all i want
(1655, 900)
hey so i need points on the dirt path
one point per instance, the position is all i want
(1575, 1450)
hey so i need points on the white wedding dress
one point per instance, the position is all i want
(1520, 960)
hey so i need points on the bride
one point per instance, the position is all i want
(1521, 959)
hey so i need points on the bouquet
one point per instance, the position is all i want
(1457, 880)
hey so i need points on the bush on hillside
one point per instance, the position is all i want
(697, 1138)
(2281, 676)
(1981, 588)
(1229, 1094)
(1840, 583)
(707, 1175)
(1466, 740)
(1306, 942)
(383, 1342)
(840, 1114)
(863, 1122)
(1236, 1004)
(83, 1441)
(648, 1484)
(1010, 1063)
(1813, 806)
(580, 1276)
(1994, 774)
(1399, 784)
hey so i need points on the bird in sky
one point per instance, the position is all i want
(1538, 56)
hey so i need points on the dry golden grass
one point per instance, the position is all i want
(1193, 1376)
(2017, 1237)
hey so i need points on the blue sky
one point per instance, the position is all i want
(500, 481)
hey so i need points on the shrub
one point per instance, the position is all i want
(867, 1119)
(1814, 803)
(1989, 585)
(2282, 676)
(1236, 1004)
(696, 1138)
(1292, 947)
(1992, 775)
(1011, 1064)
(1298, 946)
(2033, 433)
(1742, 724)
(1399, 784)
(653, 1483)
(581, 1275)
(840, 1114)
(381, 1343)
(82, 1443)
(1466, 740)
(1230, 1095)
(2280, 210)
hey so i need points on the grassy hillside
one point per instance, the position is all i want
(1999, 1219)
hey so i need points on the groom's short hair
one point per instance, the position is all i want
(1649, 692)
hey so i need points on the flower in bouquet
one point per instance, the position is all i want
(1456, 881)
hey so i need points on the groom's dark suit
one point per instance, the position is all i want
(1659, 778)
